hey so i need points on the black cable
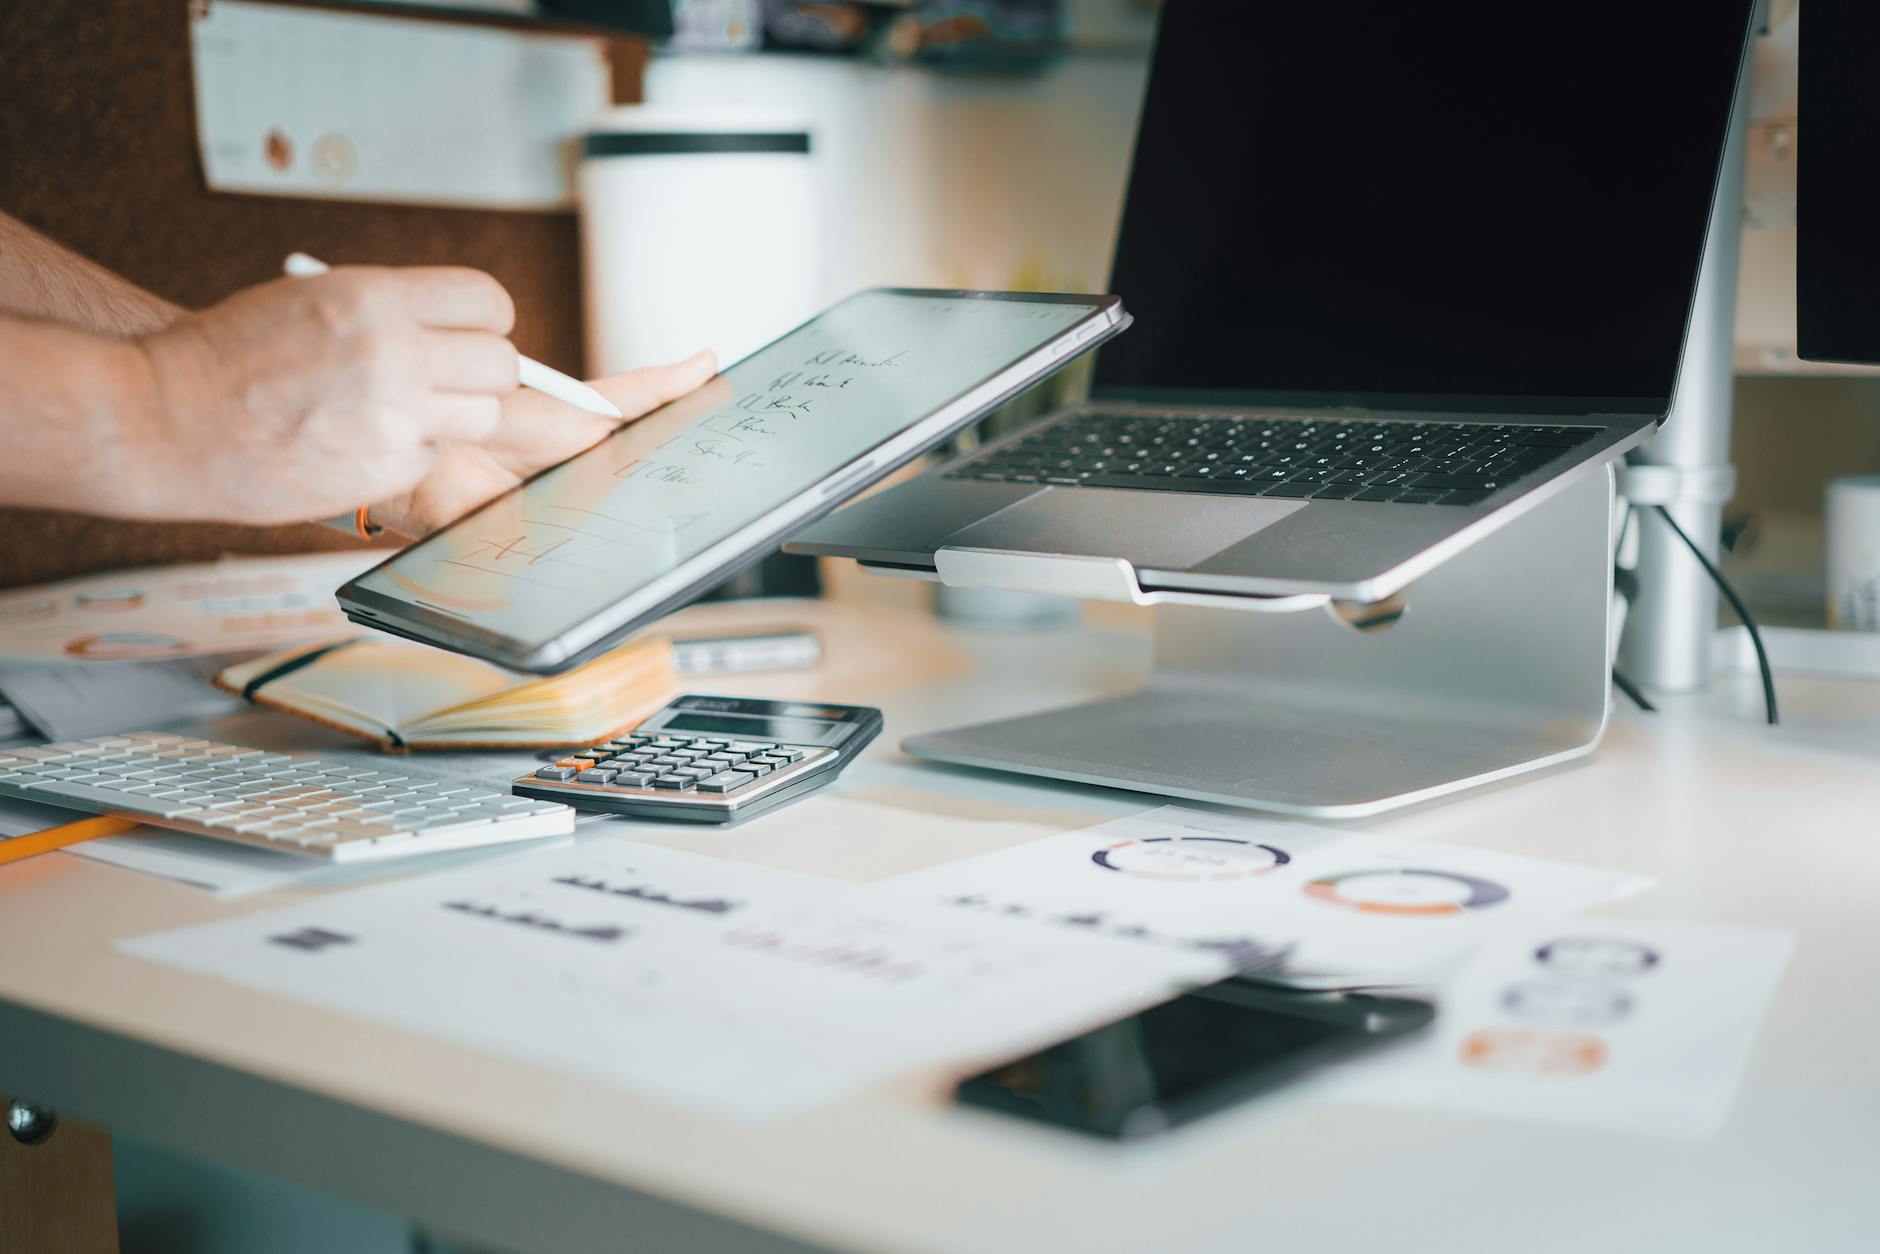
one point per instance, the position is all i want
(1736, 604)
(1633, 691)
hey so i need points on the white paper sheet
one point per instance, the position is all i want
(1641, 1027)
(233, 870)
(75, 700)
(219, 865)
(22, 818)
(740, 989)
(353, 106)
(1307, 904)
(236, 604)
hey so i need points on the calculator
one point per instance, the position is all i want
(710, 760)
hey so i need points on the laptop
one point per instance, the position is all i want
(1399, 273)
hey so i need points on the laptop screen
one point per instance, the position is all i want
(1467, 205)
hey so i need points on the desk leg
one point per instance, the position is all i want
(56, 1194)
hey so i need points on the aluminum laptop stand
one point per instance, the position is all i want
(1498, 665)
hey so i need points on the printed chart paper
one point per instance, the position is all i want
(1306, 904)
(740, 989)
(354, 106)
(1642, 1027)
(234, 605)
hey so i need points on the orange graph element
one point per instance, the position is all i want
(1525, 1052)
(1327, 890)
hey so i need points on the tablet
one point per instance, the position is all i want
(569, 563)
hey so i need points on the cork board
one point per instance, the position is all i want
(97, 150)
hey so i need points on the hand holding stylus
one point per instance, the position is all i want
(549, 419)
(536, 431)
(303, 398)
(530, 373)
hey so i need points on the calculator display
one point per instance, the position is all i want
(746, 727)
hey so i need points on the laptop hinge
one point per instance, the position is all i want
(1089, 579)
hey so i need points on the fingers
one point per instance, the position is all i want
(463, 478)
(645, 389)
(470, 361)
(538, 431)
(462, 417)
(457, 298)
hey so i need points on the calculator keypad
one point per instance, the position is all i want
(690, 769)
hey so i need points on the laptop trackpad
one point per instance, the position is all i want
(1157, 530)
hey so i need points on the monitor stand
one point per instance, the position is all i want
(1499, 665)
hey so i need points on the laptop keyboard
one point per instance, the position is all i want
(1357, 459)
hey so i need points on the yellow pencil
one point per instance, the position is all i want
(61, 836)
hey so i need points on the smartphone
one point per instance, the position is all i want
(568, 564)
(1186, 1058)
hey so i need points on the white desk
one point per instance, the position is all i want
(1741, 824)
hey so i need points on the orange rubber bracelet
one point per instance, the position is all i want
(363, 527)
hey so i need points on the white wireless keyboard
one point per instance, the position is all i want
(274, 800)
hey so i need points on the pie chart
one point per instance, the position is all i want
(1190, 858)
(1408, 891)
(1598, 957)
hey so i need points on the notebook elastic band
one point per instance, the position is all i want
(288, 667)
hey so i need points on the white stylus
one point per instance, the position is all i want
(529, 372)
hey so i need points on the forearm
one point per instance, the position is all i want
(42, 280)
(75, 419)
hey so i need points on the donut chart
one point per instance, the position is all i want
(1406, 891)
(1596, 957)
(120, 646)
(1192, 859)
(1566, 1003)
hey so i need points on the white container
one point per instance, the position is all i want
(697, 231)
(1854, 553)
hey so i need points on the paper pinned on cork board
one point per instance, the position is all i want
(354, 106)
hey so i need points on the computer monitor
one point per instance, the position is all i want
(1837, 250)
(1487, 201)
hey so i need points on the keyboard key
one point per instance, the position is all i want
(1125, 481)
(1534, 437)
(1293, 488)
(634, 779)
(674, 783)
(1170, 453)
(726, 781)
(597, 775)
(1377, 494)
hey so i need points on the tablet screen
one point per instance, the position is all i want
(585, 535)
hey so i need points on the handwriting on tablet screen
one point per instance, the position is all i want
(663, 489)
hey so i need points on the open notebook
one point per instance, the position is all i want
(410, 696)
